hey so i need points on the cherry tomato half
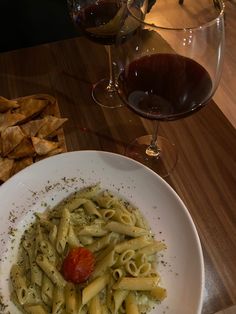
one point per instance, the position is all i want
(78, 265)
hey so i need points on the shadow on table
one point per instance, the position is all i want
(27, 23)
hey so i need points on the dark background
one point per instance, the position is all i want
(25, 23)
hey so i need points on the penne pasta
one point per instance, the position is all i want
(95, 305)
(75, 203)
(47, 290)
(58, 300)
(51, 271)
(33, 294)
(62, 232)
(125, 257)
(123, 217)
(35, 309)
(158, 293)
(53, 235)
(35, 272)
(107, 213)
(45, 223)
(144, 270)
(85, 239)
(118, 298)
(131, 268)
(131, 231)
(134, 244)
(119, 251)
(72, 238)
(117, 273)
(48, 250)
(19, 283)
(105, 200)
(94, 288)
(140, 259)
(153, 248)
(131, 304)
(89, 192)
(108, 261)
(104, 309)
(91, 208)
(138, 284)
(71, 299)
(103, 242)
(93, 230)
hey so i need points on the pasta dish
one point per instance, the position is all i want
(93, 253)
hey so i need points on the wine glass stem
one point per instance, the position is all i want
(112, 81)
(153, 149)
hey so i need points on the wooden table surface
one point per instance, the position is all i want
(205, 175)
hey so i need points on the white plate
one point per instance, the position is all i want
(50, 180)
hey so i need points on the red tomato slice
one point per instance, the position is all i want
(78, 265)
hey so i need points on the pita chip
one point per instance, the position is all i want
(43, 147)
(52, 124)
(6, 104)
(51, 153)
(9, 119)
(31, 128)
(21, 164)
(24, 149)
(31, 106)
(11, 137)
(6, 166)
(55, 151)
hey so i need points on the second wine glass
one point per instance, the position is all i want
(99, 21)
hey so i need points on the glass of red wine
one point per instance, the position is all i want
(169, 69)
(99, 21)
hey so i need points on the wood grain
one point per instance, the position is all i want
(225, 96)
(204, 176)
(230, 310)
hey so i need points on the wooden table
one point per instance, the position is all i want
(205, 175)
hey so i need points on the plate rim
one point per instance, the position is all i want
(17, 176)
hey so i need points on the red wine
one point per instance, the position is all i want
(91, 21)
(165, 86)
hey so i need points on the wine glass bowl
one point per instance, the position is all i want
(170, 68)
(97, 20)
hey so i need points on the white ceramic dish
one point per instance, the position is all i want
(50, 180)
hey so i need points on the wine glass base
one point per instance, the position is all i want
(104, 96)
(163, 164)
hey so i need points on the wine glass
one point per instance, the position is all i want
(169, 69)
(99, 21)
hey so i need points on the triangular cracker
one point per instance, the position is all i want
(55, 152)
(9, 119)
(31, 128)
(6, 104)
(51, 153)
(31, 106)
(24, 149)
(51, 125)
(6, 166)
(43, 147)
(21, 164)
(11, 137)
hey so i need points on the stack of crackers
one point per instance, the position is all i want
(28, 132)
